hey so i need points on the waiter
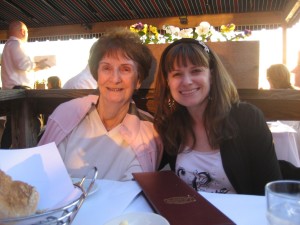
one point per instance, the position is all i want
(16, 68)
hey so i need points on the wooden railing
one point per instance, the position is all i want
(24, 105)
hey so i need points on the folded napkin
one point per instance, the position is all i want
(43, 168)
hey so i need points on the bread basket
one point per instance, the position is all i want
(59, 216)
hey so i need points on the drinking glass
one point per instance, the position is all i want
(283, 202)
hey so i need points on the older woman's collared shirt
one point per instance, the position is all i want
(90, 144)
(137, 129)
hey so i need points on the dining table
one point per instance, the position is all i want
(110, 199)
(285, 142)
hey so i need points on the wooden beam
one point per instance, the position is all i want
(290, 10)
(284, 43)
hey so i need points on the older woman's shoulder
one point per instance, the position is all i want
(76, 106)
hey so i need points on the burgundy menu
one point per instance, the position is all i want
(179, 203)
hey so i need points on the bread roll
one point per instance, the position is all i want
(17, 198)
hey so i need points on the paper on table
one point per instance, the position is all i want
(43, 168)
(278, 127)
(111, 200)
(242, 209)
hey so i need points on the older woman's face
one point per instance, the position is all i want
(117, 79)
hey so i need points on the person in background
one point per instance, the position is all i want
(16, 65)
(108, 131)
(16, 69)
(212, 140)
(296, 71)
(54, 82)
(279, 77)
(83, 80)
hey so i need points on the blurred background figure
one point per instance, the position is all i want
(279, 77)
(83, 80)
(16, 65)
(54, 82)
(16, 70)
(296, 71)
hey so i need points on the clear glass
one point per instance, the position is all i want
(283, 202)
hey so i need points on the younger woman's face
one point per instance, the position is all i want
(190, 85)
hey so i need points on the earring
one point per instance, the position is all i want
(171, 103)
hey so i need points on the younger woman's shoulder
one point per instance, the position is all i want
(246, 111)
(245, 107)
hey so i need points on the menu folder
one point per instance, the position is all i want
(179, 203)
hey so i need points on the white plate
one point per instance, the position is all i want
(86, 184)
(139, 218)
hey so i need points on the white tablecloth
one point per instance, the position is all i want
(285, 143)
(115, 198)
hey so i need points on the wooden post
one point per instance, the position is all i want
(284, 42)
(24, 124)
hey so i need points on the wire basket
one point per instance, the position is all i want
(60, 216)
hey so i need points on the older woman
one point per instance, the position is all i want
(108, 131)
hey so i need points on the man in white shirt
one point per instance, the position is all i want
(83, 80)
(16, 66)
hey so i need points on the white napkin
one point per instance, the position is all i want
(111, 200)
(242, 209)
(43, 168)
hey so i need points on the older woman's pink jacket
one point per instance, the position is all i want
(137, 129)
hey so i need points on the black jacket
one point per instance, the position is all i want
(249, 159)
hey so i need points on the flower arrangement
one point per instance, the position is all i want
(148, 33)
(204, 31)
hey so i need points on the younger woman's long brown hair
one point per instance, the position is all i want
(172, 121)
